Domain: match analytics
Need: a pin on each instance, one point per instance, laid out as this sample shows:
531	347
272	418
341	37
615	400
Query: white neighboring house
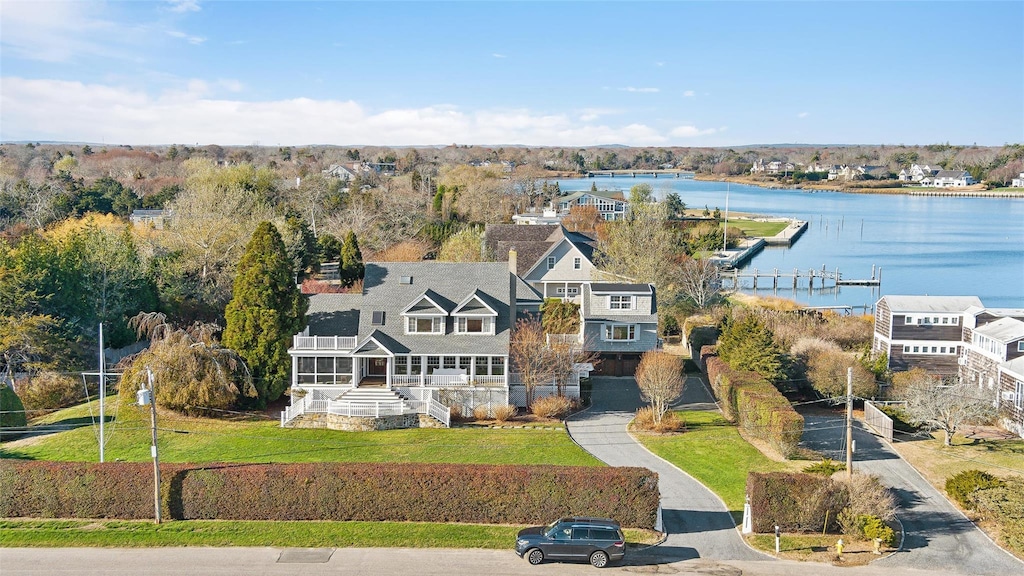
773	167
949	179
152	218
339	171
918	172
1018	182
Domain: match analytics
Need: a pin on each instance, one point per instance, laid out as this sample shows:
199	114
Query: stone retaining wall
364	424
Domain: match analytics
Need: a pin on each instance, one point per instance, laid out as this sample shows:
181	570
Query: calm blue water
924	245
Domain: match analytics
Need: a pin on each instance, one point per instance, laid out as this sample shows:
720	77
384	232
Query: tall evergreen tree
747	344
351	264
266	309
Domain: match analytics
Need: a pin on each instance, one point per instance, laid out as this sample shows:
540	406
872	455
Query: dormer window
431	325
620	302
551	262
475	315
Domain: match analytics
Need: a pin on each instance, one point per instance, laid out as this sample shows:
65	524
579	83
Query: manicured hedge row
330	491
756	405
795	502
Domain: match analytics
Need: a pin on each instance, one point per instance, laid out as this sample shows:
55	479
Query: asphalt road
696	520
372	561
937	534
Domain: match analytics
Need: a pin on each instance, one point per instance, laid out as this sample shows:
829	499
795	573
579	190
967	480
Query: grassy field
200	440
754	228
712	451
136	533
936	462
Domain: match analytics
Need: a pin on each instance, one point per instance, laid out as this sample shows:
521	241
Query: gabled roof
924	304
475	305
1004	330
1015	367
429	303
952	174
606	194
533	243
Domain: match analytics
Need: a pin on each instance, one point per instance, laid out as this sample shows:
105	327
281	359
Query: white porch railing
439	411
447	381
323	342
369	409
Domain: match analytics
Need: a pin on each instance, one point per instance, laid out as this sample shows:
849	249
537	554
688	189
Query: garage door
617	364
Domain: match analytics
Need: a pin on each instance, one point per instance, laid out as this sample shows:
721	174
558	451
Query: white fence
517	394
877	420
366	408
447	381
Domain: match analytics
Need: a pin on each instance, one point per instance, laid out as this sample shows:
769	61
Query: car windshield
550	527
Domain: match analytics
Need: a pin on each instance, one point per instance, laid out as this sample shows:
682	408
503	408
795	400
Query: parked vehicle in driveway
597	540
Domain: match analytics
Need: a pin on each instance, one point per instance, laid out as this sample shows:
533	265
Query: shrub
900	420
644	420
826	467
874	527
50	391
867	497
826	371
505	413
12	411
330	491
456	412
551	407
795	502
481	412
962	487
1005	503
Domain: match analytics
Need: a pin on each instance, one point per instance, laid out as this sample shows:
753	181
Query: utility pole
103	393
156	457
849	423
725	228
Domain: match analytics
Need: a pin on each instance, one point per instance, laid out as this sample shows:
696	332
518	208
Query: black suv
598	540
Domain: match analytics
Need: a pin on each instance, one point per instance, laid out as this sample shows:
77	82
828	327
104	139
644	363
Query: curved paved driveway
937	535
697	522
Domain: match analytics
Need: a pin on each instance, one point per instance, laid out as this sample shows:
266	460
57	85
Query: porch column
423	371
356	371
472	368
388	367
295	371
565	294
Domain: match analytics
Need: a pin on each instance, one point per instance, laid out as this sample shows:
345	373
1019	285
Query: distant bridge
635	173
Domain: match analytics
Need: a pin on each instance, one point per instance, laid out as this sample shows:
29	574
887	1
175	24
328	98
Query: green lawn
755	229
199	440
137	533
712	451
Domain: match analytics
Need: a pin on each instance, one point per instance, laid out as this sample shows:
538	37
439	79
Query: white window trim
577	263
488	325
436	325
1018	398
551	262
609	331
629	304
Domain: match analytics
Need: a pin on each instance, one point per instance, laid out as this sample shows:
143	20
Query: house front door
378	367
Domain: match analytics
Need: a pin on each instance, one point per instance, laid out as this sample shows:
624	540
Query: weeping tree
193	373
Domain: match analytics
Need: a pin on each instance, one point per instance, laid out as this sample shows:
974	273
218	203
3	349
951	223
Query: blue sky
565	74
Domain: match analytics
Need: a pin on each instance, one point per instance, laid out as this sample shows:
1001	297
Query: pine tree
748	344
351	264
265	311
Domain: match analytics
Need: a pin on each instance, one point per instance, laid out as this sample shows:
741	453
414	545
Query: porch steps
370	396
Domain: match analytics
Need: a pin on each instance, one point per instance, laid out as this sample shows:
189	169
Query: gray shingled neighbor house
619	319
421	337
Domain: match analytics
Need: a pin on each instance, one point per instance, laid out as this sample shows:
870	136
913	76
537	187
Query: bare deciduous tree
565	355
660	377
700	281
947	408
530	356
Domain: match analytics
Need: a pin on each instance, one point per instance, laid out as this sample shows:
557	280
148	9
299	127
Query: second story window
431	325
551	262
617	302
577	263
466	325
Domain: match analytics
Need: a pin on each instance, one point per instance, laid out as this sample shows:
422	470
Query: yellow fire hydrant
839	548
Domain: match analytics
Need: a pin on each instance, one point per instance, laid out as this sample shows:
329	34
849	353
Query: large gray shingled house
420	337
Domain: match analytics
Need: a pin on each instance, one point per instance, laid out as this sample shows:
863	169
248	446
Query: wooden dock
824	278
634	173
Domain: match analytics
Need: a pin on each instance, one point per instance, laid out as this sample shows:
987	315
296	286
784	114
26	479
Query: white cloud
659	64
690	131
496	55
194	40
633	89
56	31
803	115
591	114
74	111
184	5
689	94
